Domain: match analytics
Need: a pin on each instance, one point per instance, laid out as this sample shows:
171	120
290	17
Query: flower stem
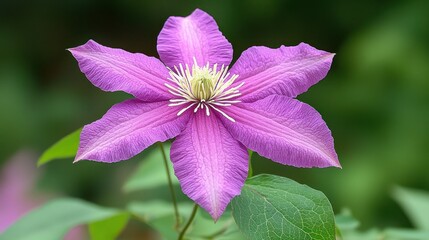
250	172
191	218
170	184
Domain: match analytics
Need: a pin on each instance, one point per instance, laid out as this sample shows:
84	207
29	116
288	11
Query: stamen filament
223	113
183	110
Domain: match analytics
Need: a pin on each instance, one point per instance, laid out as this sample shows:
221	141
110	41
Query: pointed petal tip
215	218
328	163
330	56
215	214
334	162
76	49
79	157
197	10
71	50
308	46
338	165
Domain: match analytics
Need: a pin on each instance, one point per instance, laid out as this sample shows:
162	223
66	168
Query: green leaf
165	227
109	229
160	216
345	221
373	234
204	227
232	233
415	204
54	219
406	234
151	172
65	148
389	234
155	209
273	207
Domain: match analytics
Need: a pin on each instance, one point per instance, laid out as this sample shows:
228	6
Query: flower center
202	88
205	87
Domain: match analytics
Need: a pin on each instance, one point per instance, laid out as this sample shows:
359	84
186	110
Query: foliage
287	209
64	148
54	219
272	207
415	204
109	228
151	172
269	207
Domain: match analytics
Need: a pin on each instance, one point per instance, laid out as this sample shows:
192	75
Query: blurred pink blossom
18	195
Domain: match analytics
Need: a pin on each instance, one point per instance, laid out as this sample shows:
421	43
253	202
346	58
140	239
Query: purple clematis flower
214	112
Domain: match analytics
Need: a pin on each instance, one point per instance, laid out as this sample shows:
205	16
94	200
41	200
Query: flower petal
284	130
127	129
196	36
287	71
113	69
211	166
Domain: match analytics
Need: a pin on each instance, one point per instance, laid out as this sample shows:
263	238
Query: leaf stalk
170	185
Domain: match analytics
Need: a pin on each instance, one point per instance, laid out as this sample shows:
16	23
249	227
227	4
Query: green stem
250	172
191	218
170	184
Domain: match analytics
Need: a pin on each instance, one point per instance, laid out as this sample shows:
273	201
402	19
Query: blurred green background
375	99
